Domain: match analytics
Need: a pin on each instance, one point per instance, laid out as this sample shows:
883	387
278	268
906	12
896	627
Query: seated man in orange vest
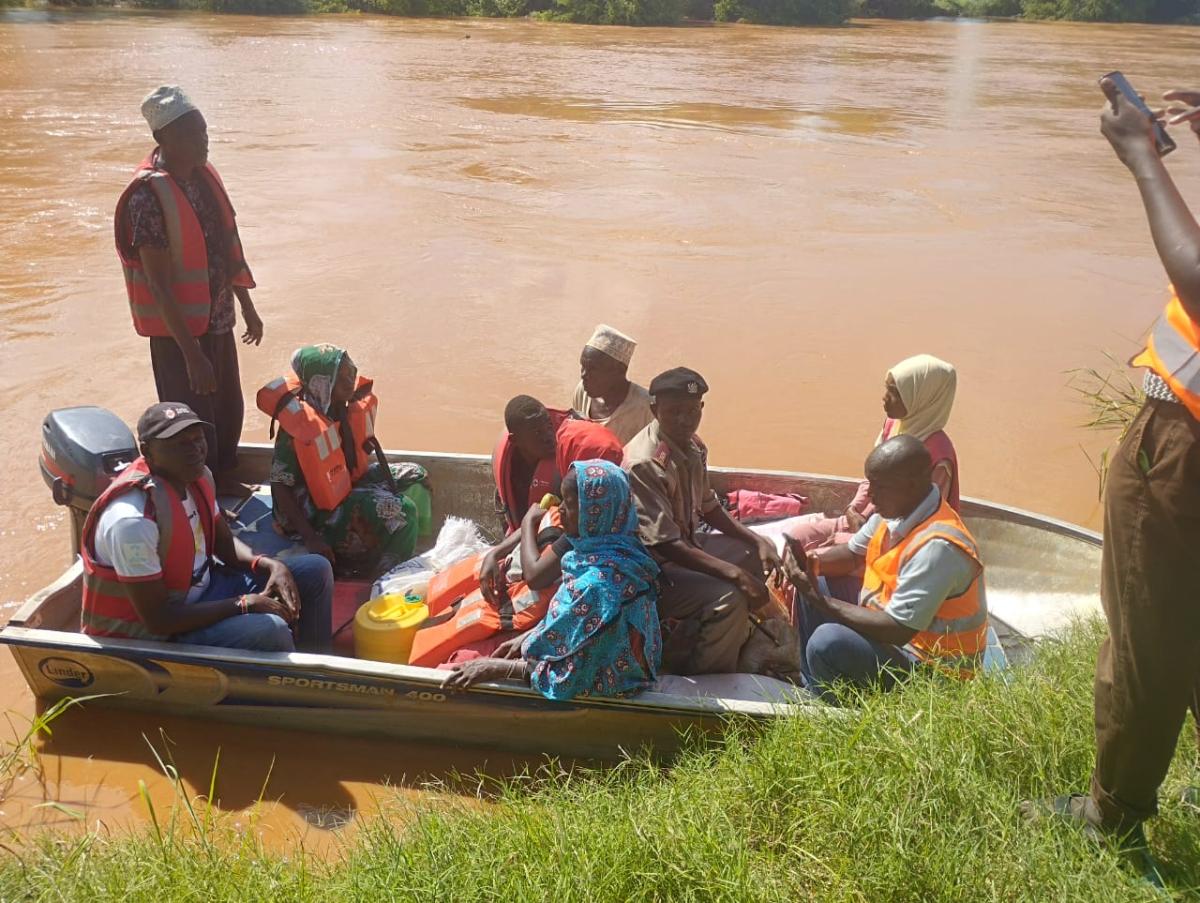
922	599
523	462
177	239
160	562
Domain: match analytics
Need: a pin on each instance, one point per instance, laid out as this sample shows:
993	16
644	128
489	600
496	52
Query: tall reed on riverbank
19	756
1111	400
912	798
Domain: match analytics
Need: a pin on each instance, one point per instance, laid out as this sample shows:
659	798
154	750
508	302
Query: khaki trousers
1149	667
706	619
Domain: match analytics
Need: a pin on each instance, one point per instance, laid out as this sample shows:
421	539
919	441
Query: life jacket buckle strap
284	400
372	444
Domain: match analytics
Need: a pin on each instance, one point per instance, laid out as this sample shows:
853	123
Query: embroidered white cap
164	105
615	344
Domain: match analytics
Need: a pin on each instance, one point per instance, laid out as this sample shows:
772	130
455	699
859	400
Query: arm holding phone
1131	132
868	622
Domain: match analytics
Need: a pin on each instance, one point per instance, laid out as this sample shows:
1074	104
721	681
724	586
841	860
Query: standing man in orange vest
178	242
922	600
1149	667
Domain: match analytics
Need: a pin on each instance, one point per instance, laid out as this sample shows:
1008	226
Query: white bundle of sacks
458	539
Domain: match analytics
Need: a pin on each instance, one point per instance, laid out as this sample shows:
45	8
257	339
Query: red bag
750	506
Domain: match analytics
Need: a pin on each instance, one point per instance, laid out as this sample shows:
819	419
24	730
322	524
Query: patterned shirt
150	230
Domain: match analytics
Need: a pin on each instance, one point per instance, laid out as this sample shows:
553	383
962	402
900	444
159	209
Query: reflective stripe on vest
1173	352
328	441
188	251
957	636
106	609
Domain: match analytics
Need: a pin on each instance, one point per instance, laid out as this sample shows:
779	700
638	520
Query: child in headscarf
375	527
601	635
918	395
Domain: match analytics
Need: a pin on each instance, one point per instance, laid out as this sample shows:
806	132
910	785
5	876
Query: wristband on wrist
244	604
254	562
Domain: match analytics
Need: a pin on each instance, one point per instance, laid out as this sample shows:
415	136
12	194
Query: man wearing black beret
710	581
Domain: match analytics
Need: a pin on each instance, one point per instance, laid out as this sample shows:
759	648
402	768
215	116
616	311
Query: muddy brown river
788	211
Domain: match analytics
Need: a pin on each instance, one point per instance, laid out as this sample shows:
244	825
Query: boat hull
321	694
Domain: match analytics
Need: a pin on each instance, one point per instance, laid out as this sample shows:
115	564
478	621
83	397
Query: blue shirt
934	573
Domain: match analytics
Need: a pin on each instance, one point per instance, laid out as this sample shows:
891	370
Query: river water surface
788	211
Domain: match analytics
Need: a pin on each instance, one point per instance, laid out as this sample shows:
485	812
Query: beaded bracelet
244	604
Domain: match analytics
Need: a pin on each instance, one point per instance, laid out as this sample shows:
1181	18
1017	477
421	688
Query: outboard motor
83	449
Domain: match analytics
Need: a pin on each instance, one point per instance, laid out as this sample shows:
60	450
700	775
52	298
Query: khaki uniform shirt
670	485
630	417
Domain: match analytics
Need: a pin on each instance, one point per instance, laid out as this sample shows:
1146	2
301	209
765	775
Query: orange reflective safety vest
957	637
318	438
546	477
189	253
460	615
107	610
1173	352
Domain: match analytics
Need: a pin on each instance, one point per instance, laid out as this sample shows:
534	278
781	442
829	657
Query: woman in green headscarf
376	526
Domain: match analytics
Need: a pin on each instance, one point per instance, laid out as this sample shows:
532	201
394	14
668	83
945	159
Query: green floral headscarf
317	368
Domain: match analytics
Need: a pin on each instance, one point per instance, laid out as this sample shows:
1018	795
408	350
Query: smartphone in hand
1163	142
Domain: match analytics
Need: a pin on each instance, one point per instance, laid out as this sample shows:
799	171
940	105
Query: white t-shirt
127	540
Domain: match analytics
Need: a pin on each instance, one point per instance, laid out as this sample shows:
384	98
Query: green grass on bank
914	798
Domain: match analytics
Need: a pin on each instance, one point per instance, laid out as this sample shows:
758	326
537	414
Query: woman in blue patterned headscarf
601	634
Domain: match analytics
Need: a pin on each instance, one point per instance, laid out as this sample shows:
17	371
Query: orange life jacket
1173	352
189	253
956	638
318	438
459	614
546	477
107	610
455	582
462	578
473	618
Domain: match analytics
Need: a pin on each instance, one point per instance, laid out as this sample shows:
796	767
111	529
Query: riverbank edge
675	13
911	798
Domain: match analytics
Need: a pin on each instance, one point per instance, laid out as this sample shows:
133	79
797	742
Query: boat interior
1041	575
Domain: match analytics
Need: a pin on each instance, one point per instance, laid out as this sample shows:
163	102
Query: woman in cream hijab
918	397
917	400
